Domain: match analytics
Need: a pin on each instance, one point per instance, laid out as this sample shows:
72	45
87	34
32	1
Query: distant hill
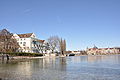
4	32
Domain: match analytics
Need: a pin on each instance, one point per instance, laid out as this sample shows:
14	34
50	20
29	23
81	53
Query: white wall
28	47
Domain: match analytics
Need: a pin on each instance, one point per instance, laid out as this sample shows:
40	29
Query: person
7	56
2	56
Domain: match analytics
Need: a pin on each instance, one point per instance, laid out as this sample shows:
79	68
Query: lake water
105	67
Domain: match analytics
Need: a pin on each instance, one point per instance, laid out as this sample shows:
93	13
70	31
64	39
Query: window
21	39
24	39
23	44
20	42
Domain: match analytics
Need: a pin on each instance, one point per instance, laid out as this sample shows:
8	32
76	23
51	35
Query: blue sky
82	23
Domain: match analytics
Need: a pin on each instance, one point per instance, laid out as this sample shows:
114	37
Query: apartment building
28	42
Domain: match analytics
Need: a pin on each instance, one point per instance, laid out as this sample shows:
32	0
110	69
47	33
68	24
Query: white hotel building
28	42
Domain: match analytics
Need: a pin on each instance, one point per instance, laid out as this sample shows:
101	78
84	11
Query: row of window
28	47
22	42
21	39
23	51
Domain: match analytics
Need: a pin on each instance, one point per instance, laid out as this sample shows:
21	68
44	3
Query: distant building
29	43
96	50
76	52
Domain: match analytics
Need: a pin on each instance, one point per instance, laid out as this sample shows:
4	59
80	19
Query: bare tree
57	45
63	46
54	43
7	42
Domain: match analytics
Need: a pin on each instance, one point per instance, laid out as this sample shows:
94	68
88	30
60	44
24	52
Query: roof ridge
26	35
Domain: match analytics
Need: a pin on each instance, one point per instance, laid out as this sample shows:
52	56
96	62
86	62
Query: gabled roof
41	41
27	35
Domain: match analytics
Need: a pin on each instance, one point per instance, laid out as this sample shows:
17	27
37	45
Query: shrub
71	54
24	54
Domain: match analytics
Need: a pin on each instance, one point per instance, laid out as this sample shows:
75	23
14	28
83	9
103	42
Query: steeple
95	47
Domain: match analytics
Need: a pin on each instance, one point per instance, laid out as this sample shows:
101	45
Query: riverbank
24	58
19	58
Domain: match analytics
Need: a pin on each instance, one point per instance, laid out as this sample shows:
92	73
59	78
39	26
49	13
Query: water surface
105	67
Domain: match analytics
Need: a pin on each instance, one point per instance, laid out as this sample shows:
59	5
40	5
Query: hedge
24	54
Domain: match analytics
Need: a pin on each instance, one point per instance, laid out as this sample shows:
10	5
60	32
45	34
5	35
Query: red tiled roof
41	41
25	35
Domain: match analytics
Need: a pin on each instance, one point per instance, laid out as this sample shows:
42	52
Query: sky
83	23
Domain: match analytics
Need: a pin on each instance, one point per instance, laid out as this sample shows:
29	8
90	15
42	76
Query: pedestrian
7	56
2	56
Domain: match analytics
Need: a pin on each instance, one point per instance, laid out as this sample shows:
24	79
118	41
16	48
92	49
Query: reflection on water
106	67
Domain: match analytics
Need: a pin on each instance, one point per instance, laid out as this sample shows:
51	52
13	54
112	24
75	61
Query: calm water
69	68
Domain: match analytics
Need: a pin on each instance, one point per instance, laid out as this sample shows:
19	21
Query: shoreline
19	58
24	58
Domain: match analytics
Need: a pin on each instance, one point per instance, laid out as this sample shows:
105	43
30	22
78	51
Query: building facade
96	50
29	43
